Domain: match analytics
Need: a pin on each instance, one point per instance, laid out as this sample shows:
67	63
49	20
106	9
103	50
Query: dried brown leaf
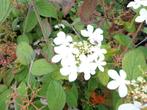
66	5
87	11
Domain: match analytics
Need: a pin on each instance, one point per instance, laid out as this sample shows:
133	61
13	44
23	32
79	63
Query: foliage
42	43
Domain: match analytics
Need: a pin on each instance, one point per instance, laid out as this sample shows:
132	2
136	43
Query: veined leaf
56	96
134	63
5	9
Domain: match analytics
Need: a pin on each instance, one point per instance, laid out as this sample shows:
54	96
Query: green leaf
42	67
22	89
134	63
5	9
30	21
72	96
144	50
2	88
4	98
25	53
56	96
46	9
22	92
103	78
130	26
123	40
8	78
23	38
92	84
145	30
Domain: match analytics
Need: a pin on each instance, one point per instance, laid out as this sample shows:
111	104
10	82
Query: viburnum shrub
73	55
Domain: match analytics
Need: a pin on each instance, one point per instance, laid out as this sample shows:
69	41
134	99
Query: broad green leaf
30	21
134	63
5	9
57	75
72	96
21	75
8	78
130	26
23	38
145	30
92	84
143	50
56	96
2	88
4	98
123	40
25	53
22	89
42	67
22	92
46	8
103	78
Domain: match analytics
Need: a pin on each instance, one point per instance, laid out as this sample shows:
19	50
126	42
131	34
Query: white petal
98	31
113	85
146	21
72	77
84	33
101	68
143	12
135	5
137	104
131	4
64	71
123	90
144	3
113	74
56	58
139	19
60	38
69	38
90	28
122	74
83	58
87	76
59	49
128	106
104	51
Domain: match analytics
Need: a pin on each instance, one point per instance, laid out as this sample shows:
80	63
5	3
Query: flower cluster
83	56
136	4
137	92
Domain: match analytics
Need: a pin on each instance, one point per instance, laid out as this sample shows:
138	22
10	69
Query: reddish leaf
66	5
87	11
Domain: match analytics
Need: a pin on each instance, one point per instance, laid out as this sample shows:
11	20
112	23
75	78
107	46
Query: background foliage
28	79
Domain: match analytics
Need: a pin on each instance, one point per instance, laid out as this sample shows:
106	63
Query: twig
136	33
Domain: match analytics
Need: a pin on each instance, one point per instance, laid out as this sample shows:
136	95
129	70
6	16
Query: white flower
62	39
143	16
87	66
137	3
95	37
70	71
59	25
62	52
100	63
118	82
132	106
